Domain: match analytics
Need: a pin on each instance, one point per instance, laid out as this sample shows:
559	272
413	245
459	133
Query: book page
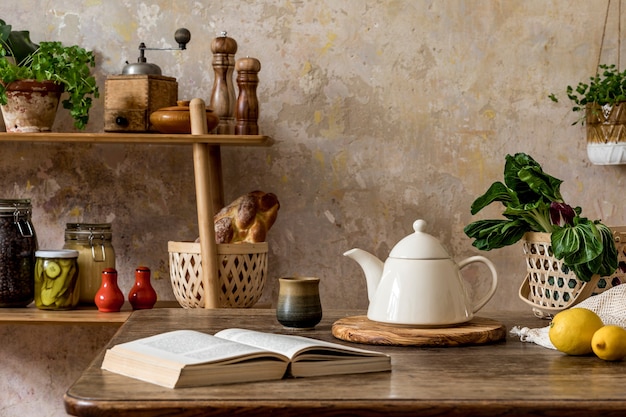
188	347
291	346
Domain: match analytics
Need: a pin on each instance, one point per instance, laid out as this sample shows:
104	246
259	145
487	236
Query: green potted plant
67	68
565	251
601	102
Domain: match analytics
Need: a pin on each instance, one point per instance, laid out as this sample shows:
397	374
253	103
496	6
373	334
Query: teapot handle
494	279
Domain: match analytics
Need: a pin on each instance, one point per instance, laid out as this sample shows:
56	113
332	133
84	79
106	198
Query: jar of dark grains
18	243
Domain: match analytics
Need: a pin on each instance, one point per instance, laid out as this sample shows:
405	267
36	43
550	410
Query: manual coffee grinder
141	89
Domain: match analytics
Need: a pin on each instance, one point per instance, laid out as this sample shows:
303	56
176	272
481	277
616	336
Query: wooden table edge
309	408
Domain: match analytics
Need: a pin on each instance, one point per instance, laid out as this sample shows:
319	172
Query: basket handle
585	292
587	289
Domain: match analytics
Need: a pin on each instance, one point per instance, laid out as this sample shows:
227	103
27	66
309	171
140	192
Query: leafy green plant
607	87
533	202
18	43
69	66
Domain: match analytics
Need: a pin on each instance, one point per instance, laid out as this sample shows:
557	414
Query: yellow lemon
609	343
571	330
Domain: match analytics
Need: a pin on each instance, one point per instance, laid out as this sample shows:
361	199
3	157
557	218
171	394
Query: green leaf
512	167
609	254
21	46
527	179
535	214
16	43
587	248
577	244
497	192
542	183
5	31
494	234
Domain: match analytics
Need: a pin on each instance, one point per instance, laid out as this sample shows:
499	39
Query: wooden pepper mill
247	110
223	94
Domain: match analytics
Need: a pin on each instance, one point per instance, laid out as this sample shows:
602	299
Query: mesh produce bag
610	306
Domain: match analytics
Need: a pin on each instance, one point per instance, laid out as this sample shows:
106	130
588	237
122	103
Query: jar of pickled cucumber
56	279
93	241
18	243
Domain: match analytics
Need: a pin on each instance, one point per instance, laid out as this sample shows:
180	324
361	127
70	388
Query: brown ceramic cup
299	305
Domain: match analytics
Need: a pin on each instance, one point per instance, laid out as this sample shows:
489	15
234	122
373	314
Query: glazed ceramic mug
299	303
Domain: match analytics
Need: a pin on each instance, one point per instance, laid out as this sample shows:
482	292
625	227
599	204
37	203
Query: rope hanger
619	32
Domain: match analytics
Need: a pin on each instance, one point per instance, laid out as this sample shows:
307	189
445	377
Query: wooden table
502	379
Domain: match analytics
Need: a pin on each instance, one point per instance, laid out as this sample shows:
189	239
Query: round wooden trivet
360	329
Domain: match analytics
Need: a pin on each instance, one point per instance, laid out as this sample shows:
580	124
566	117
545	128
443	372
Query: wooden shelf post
204	199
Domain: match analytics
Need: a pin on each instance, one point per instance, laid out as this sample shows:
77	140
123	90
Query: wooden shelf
81	315
209	195
146	138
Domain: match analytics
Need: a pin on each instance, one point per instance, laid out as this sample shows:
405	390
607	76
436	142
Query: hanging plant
605	88
601	101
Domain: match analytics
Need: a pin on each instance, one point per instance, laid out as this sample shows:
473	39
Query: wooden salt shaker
247	110
223	94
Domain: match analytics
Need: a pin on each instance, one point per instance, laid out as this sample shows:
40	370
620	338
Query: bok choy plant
533	202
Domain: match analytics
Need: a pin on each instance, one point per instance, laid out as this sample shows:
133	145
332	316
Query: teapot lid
419	245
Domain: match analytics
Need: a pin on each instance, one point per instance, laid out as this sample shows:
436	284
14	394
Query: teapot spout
372	268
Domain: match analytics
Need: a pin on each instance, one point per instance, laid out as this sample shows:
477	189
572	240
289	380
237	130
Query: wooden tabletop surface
500	379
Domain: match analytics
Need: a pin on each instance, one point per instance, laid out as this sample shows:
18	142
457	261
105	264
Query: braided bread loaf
246	219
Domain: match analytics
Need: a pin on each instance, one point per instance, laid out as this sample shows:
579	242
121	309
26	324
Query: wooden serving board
360	329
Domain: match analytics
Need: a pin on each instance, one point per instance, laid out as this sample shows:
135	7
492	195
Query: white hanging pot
32	105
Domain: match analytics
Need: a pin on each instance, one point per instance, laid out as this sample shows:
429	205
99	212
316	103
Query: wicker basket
242	273
548	289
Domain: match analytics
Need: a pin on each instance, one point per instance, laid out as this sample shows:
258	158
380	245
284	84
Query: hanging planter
602	100
606	133
31	105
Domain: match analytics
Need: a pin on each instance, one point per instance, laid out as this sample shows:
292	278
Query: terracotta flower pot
32	105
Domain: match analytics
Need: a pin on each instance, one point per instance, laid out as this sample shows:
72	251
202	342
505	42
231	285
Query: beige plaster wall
382	112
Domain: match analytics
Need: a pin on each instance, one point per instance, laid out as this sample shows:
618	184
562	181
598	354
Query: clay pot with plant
38	75
602	104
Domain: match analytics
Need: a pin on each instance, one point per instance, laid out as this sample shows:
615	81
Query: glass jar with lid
93	241
56	279
18	243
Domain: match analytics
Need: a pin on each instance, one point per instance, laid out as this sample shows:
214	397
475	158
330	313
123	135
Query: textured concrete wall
381	112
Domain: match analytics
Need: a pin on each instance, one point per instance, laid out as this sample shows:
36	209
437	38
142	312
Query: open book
188	358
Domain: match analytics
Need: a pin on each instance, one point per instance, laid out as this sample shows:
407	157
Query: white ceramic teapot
419	284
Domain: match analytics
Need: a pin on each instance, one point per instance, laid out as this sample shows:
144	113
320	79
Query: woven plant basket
242	273
548	289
